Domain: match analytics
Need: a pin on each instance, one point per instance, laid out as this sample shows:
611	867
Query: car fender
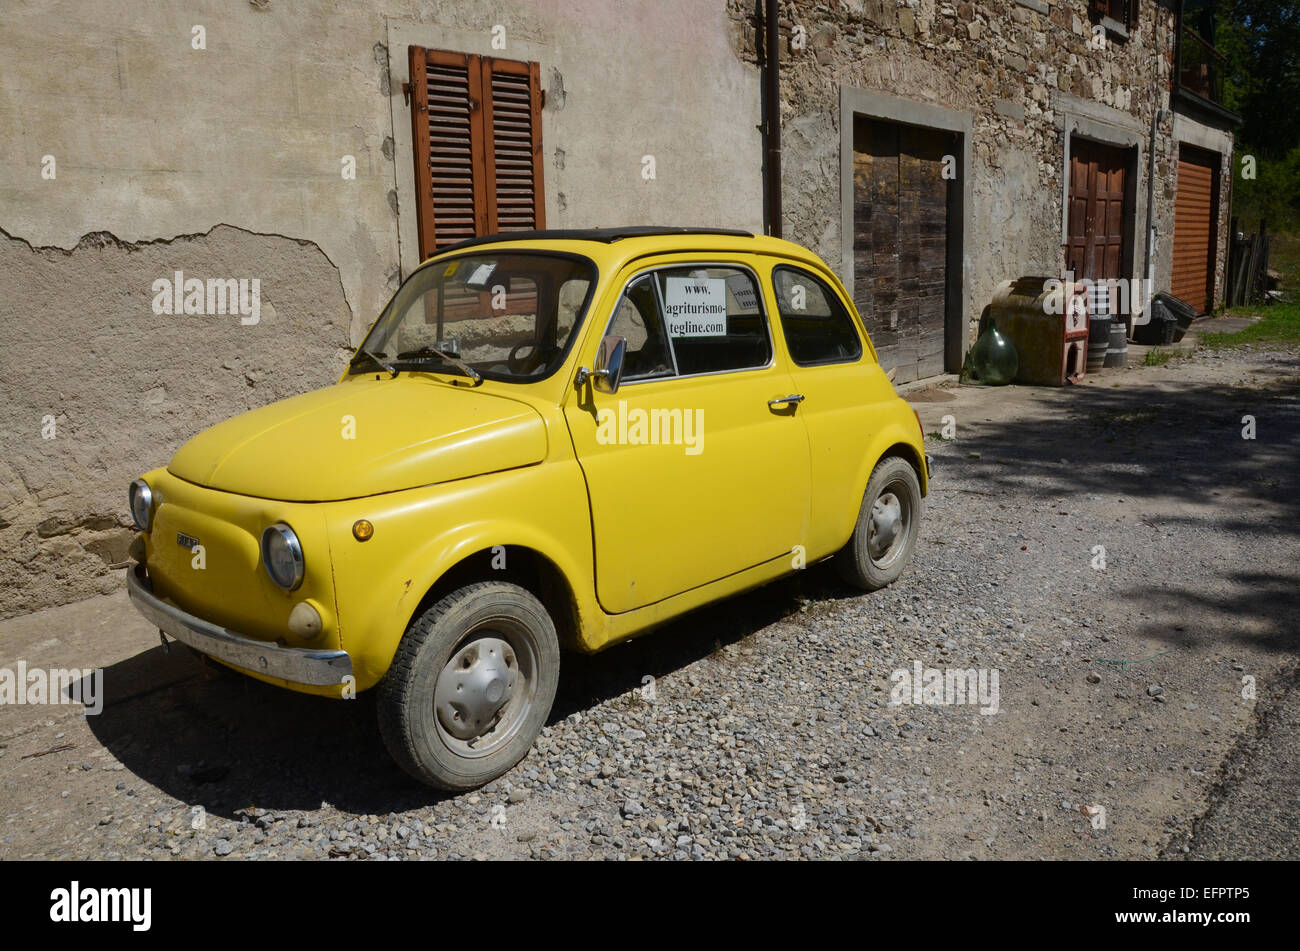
382	583
897	437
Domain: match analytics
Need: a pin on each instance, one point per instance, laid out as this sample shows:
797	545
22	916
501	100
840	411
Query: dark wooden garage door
1096	248
1195	218
900	242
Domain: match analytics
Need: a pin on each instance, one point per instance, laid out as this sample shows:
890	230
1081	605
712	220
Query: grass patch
1156	357
1284	257
1278	325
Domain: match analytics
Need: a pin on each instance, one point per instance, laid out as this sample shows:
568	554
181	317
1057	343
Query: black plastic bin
1170	318
1160	328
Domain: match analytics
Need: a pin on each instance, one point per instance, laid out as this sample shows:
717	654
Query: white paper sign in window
742	289
696	307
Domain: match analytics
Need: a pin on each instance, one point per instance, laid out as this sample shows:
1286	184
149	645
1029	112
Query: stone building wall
1025	73
227	162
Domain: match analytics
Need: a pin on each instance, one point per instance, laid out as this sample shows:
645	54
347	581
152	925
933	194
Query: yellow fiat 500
552	439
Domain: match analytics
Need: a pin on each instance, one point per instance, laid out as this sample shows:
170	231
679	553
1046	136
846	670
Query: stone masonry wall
1017	66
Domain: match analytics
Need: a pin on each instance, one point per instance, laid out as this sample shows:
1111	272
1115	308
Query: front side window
508	316
691	320
817	327
637	319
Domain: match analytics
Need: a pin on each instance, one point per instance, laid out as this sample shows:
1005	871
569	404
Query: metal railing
1200	67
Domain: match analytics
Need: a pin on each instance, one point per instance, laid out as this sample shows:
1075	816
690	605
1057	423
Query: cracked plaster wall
126	387
237	148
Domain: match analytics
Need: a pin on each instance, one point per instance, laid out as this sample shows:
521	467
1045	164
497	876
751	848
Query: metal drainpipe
1151	211
1151	174
772	127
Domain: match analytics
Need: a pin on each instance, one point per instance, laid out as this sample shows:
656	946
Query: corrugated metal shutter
476	126
1195	220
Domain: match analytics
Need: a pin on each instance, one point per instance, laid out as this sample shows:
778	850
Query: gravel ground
762	727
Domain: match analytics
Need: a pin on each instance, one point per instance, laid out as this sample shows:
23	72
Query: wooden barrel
1098	341
1117	351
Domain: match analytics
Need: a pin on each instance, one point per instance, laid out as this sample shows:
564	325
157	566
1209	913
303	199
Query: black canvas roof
607	235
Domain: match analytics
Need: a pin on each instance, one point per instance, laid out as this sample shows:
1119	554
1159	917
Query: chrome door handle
785	400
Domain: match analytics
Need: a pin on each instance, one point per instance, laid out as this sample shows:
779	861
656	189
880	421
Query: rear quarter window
817	326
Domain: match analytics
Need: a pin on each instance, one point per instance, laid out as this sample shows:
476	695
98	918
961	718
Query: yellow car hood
363	437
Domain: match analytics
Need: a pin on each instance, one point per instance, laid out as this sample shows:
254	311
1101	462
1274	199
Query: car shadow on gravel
210	737
590	679
213	738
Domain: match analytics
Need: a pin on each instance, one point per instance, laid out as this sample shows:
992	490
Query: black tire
893	481
418	737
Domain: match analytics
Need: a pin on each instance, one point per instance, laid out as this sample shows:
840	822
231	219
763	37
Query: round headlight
141	499
282	555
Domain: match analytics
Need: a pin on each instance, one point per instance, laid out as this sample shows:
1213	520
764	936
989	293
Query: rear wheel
888	523
471	686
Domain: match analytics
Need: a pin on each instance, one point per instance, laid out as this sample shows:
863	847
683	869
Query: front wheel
471	686
888	523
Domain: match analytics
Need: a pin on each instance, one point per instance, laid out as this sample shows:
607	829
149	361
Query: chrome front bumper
295	664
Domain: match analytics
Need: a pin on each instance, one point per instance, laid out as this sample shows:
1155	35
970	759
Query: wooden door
1097	245
901	234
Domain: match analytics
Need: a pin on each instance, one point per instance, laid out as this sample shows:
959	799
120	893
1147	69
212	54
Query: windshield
501	316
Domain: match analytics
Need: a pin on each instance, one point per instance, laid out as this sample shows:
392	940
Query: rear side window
691	320
817	327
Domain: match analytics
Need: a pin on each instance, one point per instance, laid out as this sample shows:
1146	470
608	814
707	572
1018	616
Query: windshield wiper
431	351
363	355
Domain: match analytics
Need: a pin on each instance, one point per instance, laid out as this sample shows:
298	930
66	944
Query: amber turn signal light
362	530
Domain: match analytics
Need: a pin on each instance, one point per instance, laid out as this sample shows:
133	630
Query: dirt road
1128	680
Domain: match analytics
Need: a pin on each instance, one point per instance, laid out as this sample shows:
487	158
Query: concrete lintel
1188	130
1070	106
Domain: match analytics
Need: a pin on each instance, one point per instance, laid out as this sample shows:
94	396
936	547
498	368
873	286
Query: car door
830	369
696	469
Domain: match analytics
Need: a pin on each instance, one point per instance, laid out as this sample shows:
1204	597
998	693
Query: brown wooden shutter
516	197
1121	11
477	132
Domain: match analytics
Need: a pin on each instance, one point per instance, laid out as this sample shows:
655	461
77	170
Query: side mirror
608	372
